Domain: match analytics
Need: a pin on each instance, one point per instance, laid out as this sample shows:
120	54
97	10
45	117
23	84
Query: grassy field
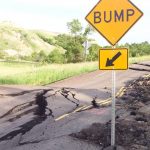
139	59
35	74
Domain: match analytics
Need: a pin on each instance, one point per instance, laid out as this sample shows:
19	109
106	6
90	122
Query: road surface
69	110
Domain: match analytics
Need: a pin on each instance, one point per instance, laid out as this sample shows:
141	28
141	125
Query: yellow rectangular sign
113	59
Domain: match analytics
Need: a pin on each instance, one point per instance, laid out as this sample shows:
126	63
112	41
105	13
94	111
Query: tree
93	52
88	30
55	57
75	52
74	27
138	49
72	45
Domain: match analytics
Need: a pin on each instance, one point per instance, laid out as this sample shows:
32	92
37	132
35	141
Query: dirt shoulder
132	121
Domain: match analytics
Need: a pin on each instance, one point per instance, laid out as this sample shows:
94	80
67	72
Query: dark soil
132	126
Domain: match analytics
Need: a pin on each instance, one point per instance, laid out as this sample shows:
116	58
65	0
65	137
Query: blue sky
52	15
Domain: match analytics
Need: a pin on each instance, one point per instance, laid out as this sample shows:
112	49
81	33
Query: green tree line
73	45
75	51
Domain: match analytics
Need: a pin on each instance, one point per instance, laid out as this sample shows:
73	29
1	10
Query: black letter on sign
110	17
130	12
119	17
97	17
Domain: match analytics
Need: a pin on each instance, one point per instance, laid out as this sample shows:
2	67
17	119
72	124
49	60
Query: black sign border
113	49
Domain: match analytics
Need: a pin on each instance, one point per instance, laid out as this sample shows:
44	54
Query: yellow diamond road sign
113	59
113	18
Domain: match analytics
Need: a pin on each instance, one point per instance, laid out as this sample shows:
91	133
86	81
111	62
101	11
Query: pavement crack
23	129
20	115
65	93
31	142
18	108
139	69
51	139
148	65
22	93
40	116
94	103
41	101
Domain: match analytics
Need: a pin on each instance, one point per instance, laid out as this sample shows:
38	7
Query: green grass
139	59
39	75
35	74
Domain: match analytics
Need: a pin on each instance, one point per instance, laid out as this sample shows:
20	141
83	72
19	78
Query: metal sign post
86	46
113	107
113	113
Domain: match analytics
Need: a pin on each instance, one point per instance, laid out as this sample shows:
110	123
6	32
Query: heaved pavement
21	129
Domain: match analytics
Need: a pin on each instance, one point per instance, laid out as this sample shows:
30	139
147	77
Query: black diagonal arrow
111	61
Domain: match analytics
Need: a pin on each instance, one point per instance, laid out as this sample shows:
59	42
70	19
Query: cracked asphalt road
21	128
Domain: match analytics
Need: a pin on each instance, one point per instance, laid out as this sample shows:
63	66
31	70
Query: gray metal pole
85	50
113	113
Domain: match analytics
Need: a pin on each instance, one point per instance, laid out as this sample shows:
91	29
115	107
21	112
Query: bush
93	52
38	57
55	57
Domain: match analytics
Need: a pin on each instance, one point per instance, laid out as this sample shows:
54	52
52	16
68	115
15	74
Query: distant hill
18	40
